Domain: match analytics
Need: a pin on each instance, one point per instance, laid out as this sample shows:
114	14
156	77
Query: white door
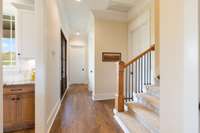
78	69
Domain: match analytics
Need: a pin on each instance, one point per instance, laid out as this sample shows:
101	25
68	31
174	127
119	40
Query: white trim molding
54	113
120	122
103	96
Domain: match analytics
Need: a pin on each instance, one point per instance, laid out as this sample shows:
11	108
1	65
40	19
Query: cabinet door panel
27	107
25	36
28	43
10	112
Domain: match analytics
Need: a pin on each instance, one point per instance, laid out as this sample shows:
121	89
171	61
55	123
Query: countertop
19	83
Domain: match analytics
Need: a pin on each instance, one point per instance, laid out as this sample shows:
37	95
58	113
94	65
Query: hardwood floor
25	131
79	114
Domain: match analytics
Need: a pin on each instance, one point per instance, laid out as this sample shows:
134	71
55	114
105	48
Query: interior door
63	64
78	65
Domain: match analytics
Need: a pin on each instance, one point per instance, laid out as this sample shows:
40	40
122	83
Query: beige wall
179	55
110	36
1	85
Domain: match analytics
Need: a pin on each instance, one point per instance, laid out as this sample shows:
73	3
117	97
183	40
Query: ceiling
77	14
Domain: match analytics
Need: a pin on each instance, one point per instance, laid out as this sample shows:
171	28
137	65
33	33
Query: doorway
63	64
78	72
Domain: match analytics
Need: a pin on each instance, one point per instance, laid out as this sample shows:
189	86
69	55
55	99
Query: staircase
140	108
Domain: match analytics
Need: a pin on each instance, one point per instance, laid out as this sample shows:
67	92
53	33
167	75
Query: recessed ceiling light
78	33
78	0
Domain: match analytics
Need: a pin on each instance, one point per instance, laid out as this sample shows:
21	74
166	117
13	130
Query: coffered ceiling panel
122	5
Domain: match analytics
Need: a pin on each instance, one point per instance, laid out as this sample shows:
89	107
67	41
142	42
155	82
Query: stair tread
131	123
148	117
151	99
154	88
154	91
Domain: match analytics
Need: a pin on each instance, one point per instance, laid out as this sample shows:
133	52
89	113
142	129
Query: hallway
79	114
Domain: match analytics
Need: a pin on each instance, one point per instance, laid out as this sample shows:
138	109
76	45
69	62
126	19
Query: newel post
119	100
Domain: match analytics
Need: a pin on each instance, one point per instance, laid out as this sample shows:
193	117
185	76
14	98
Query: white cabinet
25	33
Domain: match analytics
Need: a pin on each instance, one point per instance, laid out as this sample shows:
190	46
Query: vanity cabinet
10	112
19	107
25	33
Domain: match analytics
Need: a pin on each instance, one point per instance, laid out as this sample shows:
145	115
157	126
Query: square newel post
119	99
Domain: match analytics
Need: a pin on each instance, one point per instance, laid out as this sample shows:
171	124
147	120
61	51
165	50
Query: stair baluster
136	74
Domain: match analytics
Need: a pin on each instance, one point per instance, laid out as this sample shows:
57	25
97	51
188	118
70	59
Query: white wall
191	66
91	54
199	62
140	28
110	36
47	64
53	60
40	68
1	85
141	33
179	66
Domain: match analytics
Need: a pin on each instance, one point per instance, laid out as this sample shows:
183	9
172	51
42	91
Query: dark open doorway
63	64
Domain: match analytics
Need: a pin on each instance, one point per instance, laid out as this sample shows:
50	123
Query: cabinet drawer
18	89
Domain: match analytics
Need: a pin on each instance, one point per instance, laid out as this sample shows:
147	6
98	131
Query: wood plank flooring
25	131
79	114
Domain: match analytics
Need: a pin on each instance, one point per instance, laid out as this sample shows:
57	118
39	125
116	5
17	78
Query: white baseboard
120	122
103	96
54	113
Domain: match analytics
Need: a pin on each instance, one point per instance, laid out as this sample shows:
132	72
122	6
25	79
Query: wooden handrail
120	97
152	48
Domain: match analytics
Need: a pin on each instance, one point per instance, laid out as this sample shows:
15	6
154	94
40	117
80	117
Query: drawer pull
18	99
13	99
16	90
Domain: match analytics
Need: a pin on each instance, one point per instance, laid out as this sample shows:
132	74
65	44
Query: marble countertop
19	82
